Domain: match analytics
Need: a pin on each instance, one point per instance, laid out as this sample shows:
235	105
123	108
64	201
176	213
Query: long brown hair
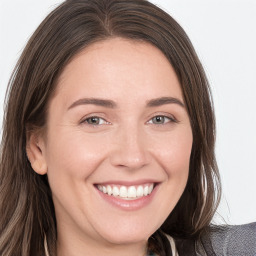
27	211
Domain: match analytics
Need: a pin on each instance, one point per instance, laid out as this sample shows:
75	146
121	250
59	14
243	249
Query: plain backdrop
223	33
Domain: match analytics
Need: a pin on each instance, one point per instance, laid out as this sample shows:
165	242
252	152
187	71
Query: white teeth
127	192
150	189
115	191
123	191
145	191
132	192
109	190
139	191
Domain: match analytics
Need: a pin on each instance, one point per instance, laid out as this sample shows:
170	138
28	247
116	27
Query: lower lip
129	205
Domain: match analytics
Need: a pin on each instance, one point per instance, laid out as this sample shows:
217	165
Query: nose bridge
130	147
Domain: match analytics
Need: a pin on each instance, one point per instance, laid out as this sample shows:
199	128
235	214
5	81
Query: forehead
117	67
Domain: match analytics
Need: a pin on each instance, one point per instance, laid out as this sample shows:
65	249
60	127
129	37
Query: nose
130	149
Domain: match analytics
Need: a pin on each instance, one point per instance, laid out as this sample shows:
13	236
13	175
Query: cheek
174	157
74	154
174	153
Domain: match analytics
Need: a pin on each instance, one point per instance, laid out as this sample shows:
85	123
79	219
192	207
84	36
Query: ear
35	148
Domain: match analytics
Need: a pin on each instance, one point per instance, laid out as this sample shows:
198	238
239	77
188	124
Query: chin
128	233
128	238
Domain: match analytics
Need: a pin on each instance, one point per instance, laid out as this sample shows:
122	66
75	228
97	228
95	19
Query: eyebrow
111	104
94	101
163	101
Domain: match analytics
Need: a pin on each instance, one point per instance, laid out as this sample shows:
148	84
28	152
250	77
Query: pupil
94	120
159	119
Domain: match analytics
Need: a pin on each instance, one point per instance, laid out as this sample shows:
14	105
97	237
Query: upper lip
127	183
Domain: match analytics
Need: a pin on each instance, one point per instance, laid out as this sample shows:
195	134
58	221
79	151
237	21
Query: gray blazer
222	241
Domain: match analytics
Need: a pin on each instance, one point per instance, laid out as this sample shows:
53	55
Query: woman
108	141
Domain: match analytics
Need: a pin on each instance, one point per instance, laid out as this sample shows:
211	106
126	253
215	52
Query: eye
95	120
161	120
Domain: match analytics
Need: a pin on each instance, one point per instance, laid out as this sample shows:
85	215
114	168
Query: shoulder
231	240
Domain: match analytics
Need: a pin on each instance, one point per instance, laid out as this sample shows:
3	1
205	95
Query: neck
73	247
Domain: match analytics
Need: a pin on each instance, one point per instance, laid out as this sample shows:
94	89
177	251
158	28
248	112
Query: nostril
129	150
129	160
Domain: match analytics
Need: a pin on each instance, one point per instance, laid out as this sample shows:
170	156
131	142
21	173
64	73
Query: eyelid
169	116
96	115
85	119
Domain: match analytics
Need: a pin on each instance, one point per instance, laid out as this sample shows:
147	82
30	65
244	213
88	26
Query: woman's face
117	128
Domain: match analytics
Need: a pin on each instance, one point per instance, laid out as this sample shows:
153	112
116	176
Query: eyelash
86	120
167	119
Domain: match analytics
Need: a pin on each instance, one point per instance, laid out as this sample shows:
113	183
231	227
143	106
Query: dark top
222	241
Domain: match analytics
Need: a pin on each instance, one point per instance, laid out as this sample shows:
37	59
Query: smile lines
127	192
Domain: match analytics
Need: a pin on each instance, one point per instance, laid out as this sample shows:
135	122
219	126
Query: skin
126	145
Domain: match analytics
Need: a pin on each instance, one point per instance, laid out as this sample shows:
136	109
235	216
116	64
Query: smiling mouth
127	192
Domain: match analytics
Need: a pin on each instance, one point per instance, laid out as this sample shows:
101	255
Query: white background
224	35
